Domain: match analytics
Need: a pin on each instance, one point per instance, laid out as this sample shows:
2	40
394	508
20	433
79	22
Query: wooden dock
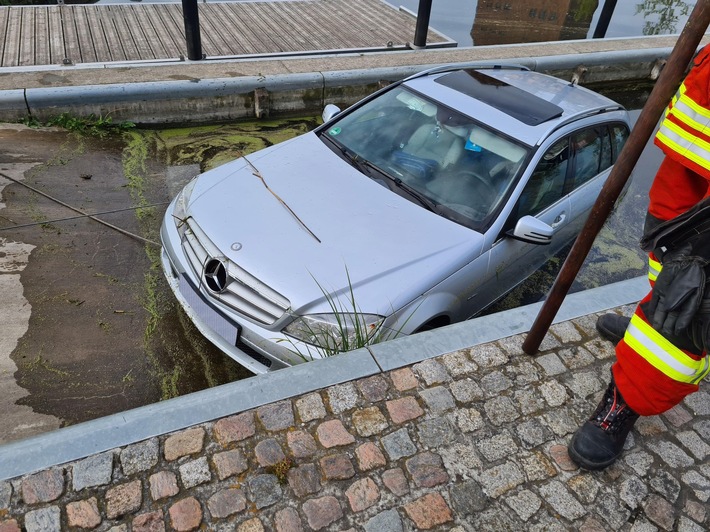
72	34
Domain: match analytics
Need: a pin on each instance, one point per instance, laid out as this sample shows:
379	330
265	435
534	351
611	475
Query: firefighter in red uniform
661	350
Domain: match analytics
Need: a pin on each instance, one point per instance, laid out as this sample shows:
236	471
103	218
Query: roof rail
584	114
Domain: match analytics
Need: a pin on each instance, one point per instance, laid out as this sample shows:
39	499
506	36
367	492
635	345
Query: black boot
599	442
612	327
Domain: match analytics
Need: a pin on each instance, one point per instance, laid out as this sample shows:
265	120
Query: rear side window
595	150
589	147
619	136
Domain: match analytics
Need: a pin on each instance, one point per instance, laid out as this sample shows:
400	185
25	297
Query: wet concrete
80	357
20	421
90	327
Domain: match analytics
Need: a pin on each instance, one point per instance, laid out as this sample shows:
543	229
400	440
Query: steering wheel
482	189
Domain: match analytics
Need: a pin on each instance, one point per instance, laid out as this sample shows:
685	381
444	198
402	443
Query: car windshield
431	154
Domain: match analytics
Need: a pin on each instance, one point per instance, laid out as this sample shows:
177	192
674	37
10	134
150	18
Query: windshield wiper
421	198
424	201
366	167
353	158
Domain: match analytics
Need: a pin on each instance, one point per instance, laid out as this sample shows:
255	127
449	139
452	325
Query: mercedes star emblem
216	276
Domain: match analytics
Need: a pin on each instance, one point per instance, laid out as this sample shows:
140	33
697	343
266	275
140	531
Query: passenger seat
440	144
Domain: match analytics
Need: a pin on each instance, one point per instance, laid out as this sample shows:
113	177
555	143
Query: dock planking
65	34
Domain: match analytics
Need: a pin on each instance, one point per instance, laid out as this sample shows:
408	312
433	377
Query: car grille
244	293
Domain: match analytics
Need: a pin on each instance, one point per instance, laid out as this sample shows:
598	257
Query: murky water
487	22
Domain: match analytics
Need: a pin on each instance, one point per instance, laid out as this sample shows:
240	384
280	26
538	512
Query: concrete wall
288	94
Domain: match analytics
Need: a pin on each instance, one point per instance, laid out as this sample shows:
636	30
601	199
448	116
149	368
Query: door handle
558	221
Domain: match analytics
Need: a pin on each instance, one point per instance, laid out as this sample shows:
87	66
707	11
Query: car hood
308	221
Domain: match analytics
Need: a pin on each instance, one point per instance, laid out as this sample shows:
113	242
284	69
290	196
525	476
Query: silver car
417	207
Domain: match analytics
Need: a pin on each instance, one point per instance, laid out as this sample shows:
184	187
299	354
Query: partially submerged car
417	207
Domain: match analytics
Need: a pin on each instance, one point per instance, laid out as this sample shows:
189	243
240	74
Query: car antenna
256	172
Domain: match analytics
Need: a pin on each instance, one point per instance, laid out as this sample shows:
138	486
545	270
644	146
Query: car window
464	168
619	136
546	185
587	149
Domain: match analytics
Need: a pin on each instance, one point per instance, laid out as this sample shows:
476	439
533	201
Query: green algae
211	146
145	155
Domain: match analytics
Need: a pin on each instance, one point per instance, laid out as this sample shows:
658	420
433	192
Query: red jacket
684	137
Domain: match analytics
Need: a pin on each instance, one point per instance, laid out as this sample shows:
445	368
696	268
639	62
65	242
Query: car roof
523	104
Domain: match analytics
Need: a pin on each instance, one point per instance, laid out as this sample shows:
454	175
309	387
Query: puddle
18	421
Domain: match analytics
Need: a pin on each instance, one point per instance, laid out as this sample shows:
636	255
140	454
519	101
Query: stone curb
474	439
103	434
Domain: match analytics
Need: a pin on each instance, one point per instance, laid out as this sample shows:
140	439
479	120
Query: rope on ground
69	218
84	214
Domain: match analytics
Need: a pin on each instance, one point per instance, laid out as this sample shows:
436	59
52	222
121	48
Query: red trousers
647	390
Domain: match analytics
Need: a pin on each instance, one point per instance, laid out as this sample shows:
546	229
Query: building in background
522	21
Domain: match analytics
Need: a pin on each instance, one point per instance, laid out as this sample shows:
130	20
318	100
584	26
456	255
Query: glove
700	330
677	293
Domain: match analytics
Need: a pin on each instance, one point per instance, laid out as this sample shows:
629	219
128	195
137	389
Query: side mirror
330	111
530	229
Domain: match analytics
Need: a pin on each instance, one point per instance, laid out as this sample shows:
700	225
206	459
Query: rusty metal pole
671	76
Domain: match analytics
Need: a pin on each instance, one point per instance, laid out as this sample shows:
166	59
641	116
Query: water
486	22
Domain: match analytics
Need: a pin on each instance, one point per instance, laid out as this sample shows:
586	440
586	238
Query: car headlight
337	331
181	202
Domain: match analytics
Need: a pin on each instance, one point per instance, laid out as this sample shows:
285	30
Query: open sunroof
513	101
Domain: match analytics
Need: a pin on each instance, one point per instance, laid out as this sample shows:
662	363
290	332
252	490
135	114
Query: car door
511	261
595	150
560	192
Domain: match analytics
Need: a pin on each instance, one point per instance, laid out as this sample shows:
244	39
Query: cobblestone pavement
471	440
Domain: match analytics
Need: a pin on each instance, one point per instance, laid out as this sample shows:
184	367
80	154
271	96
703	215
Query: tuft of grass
352	328
92	125
280	470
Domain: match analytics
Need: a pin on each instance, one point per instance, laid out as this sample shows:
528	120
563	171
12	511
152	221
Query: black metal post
192	29
420	33
604	18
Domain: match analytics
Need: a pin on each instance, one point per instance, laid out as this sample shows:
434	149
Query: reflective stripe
684	143
693	111
654	269
687	143
662	354
689	113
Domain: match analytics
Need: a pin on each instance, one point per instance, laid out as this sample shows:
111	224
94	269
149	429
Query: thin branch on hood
256	172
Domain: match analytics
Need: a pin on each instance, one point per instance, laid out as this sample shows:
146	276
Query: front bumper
257	349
